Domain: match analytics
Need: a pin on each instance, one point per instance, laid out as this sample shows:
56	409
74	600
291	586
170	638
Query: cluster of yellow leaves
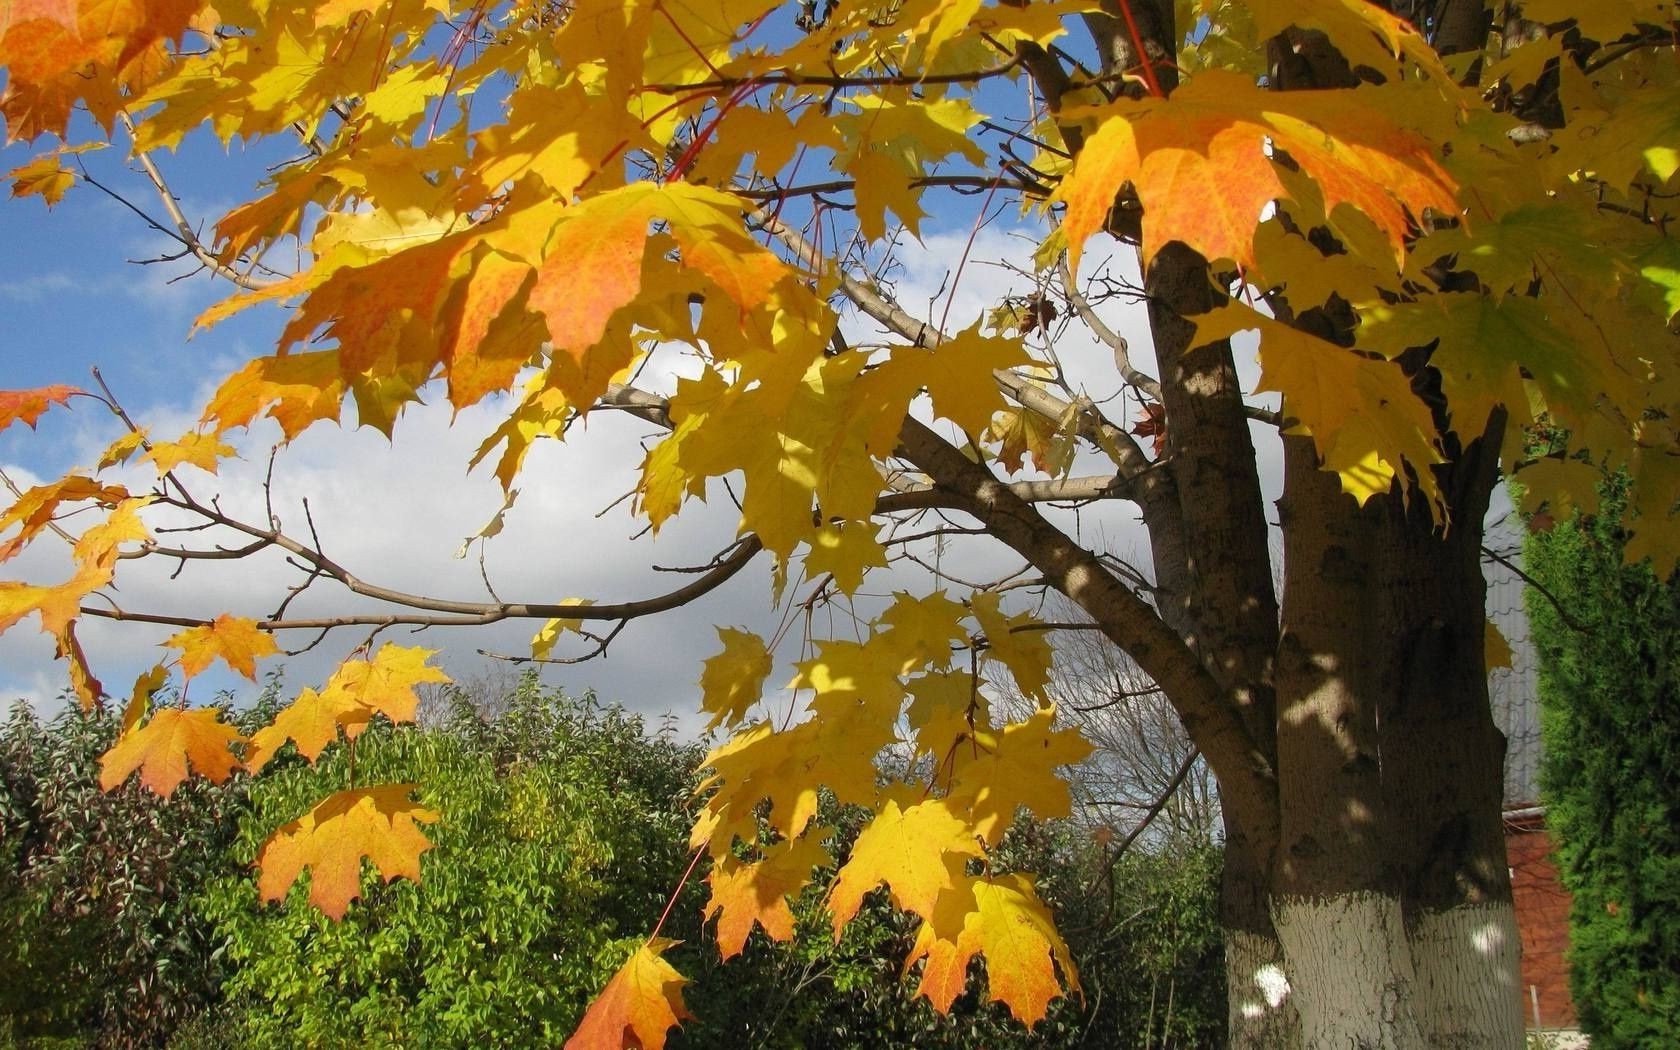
925	833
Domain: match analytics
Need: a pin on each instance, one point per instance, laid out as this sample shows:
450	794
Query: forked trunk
1387	888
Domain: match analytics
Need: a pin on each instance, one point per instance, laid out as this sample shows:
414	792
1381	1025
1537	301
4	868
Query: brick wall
1542	906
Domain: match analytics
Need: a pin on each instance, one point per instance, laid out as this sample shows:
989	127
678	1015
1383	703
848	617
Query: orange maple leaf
57	605
29	405
356	692
36	508
312	721
236	641
164	748
1201	162
87	688
1002	918
378	823
638	1006
386	682
61	52
744	894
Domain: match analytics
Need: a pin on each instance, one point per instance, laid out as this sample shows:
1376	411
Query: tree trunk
1388	890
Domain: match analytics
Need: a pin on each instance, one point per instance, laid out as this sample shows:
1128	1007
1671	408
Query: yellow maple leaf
379	823
1015	768
638	1006
946	708
918	851
197	450
1013	642
1364	418
923	629
1002	918
166	746
845	551
236	641
732	681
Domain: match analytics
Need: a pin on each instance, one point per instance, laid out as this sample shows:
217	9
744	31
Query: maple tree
1448	221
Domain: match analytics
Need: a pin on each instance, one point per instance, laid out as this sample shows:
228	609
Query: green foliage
562	836
1610	695
101	939
126	921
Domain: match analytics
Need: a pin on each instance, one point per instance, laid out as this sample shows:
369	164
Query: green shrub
101	940
1610	696
562	835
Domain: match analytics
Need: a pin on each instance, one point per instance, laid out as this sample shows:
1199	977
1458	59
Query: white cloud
395	514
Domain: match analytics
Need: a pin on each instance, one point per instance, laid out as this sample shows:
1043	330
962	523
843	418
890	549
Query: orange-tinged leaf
379	823
385	683
235	641
746	894
35	509
638	1007
44	176
312	721
164	748
1200	162
295	390
1002	918
28	406
87	688
98	545
59	604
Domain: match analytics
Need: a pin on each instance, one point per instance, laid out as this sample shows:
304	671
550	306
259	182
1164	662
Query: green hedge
1610	696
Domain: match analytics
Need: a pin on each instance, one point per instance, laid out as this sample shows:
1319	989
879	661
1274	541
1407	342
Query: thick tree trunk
1389	893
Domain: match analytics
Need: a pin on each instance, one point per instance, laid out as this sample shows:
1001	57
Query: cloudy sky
72	297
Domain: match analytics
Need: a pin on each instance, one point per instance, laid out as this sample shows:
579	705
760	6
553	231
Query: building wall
1542	907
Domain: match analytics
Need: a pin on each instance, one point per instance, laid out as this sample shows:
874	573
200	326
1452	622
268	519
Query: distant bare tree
1145	782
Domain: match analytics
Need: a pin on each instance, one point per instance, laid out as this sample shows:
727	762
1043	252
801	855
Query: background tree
104	940
1608	636
1398	207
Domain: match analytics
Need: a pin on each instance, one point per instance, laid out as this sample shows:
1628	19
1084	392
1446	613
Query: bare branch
183	229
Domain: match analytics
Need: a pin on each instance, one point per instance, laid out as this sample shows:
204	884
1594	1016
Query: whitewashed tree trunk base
1466	978
1350	970
1261	1017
